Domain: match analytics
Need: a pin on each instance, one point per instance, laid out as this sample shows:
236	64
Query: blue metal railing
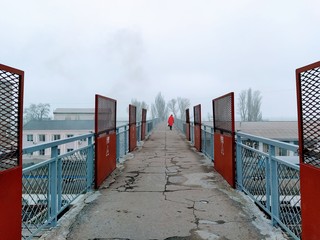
271	181
50	186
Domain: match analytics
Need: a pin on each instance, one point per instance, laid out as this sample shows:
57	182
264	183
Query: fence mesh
310	106
197	114
37	198
187	116
290	200
132	114
9	119
223	113
254	175
105	114
257	175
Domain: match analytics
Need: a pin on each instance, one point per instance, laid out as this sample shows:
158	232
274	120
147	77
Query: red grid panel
105	139
223	120
132	127
308	96
105	114
143	123
197	127
11	111
188	135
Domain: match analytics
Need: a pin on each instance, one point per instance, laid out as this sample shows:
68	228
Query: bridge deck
169	191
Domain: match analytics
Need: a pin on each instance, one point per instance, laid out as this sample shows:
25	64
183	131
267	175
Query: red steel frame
11	179
224	138
143	124
309	175
132	127
188	125
105	140
197	127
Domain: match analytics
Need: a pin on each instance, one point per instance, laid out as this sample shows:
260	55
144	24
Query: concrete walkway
169	191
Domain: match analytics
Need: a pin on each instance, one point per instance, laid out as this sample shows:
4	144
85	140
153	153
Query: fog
72	50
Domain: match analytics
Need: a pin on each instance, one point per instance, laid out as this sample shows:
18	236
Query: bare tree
158	109
183	104
139	106
172	107
249	104
37	112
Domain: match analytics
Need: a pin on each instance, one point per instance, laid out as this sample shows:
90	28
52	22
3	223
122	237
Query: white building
41	131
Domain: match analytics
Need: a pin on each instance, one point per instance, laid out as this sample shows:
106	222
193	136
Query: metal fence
207	133
272	182
51	186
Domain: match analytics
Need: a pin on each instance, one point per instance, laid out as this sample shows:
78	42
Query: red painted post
105	139
197	127
132	128
224	142
11	111
308	82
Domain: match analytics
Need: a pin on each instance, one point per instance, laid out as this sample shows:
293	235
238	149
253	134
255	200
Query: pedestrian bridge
144	181
164	189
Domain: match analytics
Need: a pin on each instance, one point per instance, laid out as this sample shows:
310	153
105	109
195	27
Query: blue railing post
212	144
118	145
52	198
90	164
268	177
126	133
275	204
239	163
59	182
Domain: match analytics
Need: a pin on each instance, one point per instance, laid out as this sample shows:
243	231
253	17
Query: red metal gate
223	122
197	127
105	138
188	125
132	127
143	124
308	95
11	111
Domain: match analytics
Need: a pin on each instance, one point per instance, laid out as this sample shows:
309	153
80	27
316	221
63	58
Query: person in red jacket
170	121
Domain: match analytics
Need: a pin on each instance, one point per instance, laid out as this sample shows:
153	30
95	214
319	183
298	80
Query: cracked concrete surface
169	191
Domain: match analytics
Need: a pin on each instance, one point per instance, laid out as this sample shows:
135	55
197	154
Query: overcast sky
197	49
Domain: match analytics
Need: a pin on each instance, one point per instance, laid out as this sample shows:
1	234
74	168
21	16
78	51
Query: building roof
74	111
59	125
280	130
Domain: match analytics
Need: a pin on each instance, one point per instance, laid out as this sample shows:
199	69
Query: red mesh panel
308	94
223	113
105	140
132	128
223	119
143	123
11	110
105	114
197	127
11	91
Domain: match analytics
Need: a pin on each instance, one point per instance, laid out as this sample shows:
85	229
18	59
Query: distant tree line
249	104
161	109
40	111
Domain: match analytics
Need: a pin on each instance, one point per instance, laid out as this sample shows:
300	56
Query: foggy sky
199	49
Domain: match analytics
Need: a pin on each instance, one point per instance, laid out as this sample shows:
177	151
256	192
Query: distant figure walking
170	121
